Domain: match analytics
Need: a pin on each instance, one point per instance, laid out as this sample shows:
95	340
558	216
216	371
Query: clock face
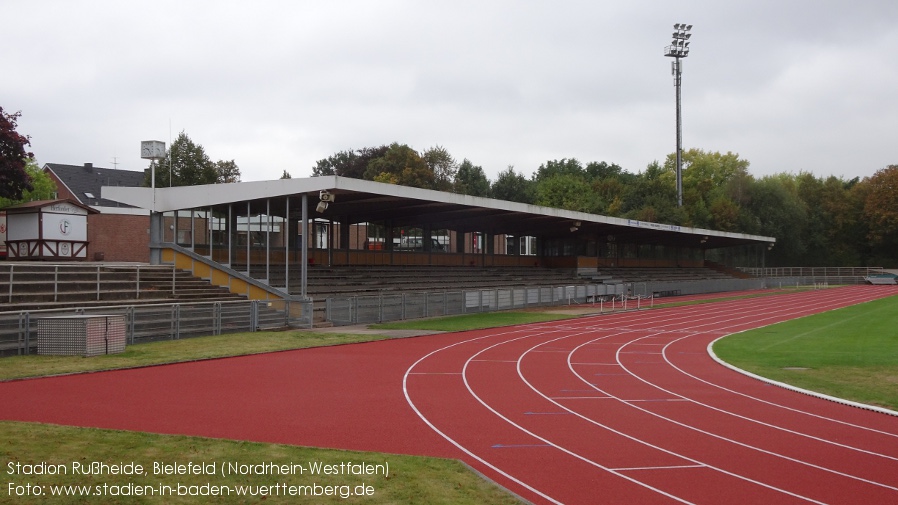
152	149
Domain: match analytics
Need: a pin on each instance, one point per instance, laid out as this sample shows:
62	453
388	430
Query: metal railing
816	272
171	321
166	321
393	307
85	280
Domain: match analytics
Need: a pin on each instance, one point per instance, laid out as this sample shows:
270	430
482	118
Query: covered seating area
295	233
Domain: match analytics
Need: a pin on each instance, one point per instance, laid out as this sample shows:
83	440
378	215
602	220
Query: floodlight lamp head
322	206
688	27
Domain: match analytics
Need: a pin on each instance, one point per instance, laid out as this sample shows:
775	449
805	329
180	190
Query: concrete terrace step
324	282
37	285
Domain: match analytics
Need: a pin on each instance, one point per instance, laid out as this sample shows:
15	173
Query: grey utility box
81	335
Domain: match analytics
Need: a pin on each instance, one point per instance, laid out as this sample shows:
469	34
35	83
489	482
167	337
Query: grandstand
324	237
308	240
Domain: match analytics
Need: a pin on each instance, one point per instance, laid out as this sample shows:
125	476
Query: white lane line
635	439
743	444
672	467
501	472
454	442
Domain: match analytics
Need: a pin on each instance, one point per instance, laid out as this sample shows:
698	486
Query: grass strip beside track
411	479
473	321
850	353
173	351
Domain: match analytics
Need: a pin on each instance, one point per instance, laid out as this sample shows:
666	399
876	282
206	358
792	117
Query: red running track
621	408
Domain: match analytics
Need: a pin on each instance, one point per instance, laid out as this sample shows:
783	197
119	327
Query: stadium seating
325	282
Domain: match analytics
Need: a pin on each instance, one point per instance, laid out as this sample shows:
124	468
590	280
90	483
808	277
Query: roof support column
155	238
304	245
388	238
268	241
232	234
345	228
427	238
490	250
288	239
249	240
331	242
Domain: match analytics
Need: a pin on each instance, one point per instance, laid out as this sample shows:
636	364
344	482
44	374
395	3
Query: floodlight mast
678	49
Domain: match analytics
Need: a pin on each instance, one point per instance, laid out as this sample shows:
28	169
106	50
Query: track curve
631	408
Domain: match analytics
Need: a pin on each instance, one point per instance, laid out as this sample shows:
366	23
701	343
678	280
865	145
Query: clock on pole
152	150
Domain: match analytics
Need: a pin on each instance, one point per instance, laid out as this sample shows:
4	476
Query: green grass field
849	353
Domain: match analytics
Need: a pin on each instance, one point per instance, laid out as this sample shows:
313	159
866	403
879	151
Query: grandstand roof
365	201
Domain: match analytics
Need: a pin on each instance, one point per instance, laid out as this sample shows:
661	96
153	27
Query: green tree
340	161
227	171
847	229
443	166
780	213
567	191
187	164
818	221
881	211
601	170
563	166
471	180
612	184
286	175
42	186
724	214
652	197
512	186
613	193
14	180
349	163
851	229
706	180
401	165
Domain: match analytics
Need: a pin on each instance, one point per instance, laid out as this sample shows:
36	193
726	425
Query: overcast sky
789	85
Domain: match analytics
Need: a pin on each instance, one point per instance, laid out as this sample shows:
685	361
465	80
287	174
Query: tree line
817	221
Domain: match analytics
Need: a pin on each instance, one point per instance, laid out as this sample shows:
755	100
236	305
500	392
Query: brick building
118	232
